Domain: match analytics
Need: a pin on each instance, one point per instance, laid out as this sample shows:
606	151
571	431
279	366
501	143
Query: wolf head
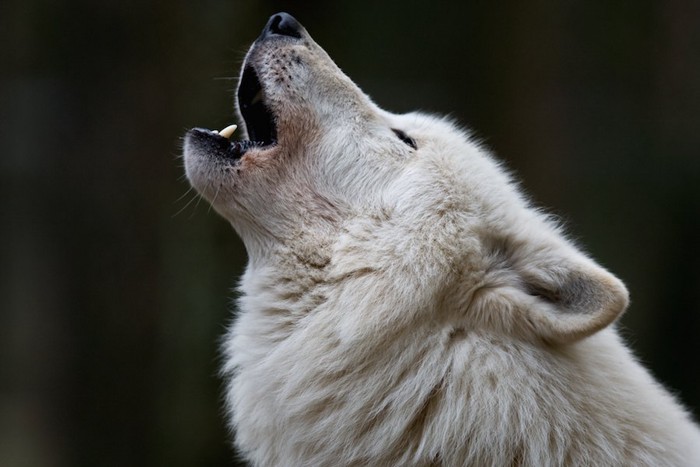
328	179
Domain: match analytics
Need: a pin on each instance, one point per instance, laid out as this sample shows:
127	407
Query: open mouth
259	120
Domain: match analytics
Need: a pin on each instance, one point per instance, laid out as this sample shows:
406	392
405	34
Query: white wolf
403	303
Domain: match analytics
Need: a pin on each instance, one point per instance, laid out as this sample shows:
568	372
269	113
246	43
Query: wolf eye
405	138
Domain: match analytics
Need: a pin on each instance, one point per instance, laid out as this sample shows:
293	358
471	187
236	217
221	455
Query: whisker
194	209
218	189
194	197
182	209
183	195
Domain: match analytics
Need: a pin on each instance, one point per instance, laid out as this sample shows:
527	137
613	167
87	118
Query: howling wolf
403	303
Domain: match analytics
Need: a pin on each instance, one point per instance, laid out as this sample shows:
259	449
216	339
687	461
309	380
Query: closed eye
405	138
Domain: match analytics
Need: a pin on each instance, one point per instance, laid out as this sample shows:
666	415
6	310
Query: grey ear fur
574	299
554	290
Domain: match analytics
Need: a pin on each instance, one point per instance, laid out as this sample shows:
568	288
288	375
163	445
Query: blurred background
117	281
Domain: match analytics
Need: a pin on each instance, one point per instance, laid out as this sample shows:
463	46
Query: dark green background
116	280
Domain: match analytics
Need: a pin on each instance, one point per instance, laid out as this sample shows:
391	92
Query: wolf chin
403	303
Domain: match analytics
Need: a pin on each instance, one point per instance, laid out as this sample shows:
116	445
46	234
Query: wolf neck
485	398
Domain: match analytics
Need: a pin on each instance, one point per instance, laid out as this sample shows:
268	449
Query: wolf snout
282	24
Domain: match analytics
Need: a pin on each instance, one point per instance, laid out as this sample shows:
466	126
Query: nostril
283	24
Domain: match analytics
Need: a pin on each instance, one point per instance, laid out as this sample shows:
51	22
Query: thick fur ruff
404	304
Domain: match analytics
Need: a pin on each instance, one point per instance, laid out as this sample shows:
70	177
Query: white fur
408	307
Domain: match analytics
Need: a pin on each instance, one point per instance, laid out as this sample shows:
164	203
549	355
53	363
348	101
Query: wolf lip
259	119
214	143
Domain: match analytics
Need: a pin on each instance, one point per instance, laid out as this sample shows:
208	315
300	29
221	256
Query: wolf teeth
228	131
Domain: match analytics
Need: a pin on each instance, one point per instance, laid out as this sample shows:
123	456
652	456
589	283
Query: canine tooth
228	131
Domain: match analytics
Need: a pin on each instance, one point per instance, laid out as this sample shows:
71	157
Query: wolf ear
561	294
573	299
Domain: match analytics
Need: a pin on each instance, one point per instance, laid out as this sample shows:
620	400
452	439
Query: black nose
282	24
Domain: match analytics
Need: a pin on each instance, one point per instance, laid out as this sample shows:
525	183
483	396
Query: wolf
404	304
